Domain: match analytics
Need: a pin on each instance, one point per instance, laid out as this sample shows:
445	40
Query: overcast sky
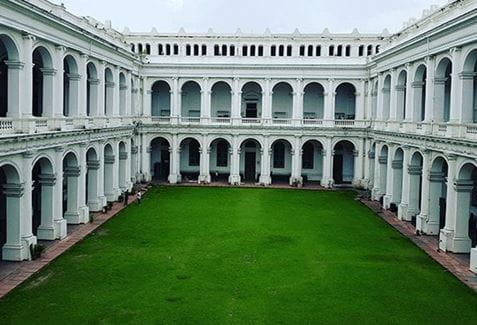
253	15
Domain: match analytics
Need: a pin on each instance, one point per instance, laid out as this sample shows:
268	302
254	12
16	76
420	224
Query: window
370	50
252	50
222	154
260	50
216	50
348	50
308	156
244	50
176	49
148	49
133	48
331	50
168	49
310	50
204	50
279	155
361	50
160	49
289	50
194	154
339	51
139	48
281	50
377	49
188	50
232	50
302	50
318	50
273	50
224	50
196	50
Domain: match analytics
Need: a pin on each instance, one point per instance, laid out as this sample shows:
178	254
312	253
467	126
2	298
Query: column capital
47	179
72	171
109	159
461	185
14	65
93	164
48	71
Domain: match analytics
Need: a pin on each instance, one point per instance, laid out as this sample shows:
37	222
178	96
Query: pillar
422	218
93	200
14	248
174	175
265	178
406	181
72	173
234	178
327	179
47	229
14	89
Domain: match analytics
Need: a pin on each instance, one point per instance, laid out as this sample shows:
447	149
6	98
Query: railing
471	129
344	123
189	120
220	120
247	120
161	119
312	122
282	121
6	125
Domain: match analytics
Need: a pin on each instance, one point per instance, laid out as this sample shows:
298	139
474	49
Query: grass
240	256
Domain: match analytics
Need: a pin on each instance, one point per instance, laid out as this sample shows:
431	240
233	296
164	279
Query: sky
225	16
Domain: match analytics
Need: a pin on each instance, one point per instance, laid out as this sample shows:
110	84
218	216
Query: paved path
457	264
12	274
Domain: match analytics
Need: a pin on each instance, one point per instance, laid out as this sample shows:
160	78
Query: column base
27	242
46	233
327	182
61	228
95	206
72	218
449	243
15	253
376	194
111	197
265	180
204	179
473	260
296	181
402	212
234	179
387	200
425	226
84	214
173	178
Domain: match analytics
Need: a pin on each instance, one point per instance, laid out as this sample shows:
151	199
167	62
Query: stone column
204	177
265	178
369	169
94	202
174	175
380	99
327	180
393	96
123	171
72	173
26	90
376	192
429	110
358	164
101	89
109	189
422	218
103	201
14	248
115	93
134	169
397	171
360	101
456	87
57	210
408	105
388	197
127	104
406	181
447	234
267	101
14	89
236	102
234	178
49	108
57	85
73	100
83	84
47	229
297	114
430	226
296	158
26	203
416	94
329	102
205	101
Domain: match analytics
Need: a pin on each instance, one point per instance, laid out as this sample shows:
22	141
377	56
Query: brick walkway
12	274
457	264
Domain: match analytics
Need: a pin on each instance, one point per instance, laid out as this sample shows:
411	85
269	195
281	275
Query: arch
437	195
345	103
313	101
108	92
191	99
466	206
123	157
190	159
43	73
343	162
10	217
250	160
251	100
401	95
282	101
70	200
312	161
442	90
70	86
161	99
8	54
469	88
419	85
397	171
160	159
92	89
43	180
221	100
220	163
92	167
386	93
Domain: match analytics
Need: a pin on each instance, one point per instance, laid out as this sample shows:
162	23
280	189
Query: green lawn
243	256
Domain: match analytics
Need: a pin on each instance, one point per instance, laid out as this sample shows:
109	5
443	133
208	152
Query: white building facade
86	112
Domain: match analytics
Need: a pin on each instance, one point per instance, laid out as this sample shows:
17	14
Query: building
87	111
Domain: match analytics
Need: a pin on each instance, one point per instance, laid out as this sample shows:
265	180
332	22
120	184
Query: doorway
251	110
250	166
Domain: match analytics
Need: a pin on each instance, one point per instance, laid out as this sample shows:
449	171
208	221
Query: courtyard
207	255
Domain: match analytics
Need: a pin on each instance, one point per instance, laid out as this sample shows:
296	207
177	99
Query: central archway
160	160
190	155
220	162
250	161
343	163
312	162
